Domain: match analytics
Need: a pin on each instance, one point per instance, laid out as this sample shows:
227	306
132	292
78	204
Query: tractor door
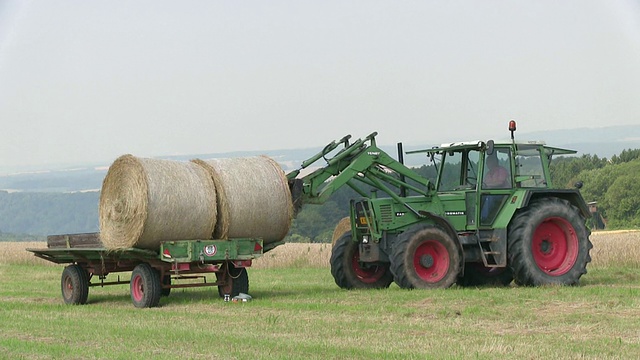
457	186
496	185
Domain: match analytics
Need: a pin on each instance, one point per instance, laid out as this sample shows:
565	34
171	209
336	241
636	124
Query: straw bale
253	198
146	201
344	225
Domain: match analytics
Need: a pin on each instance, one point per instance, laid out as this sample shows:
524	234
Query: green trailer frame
177	264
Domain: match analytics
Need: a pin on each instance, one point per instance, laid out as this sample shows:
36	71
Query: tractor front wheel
425	257
349	272
548	244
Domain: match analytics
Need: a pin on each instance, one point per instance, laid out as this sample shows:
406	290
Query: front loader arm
358	162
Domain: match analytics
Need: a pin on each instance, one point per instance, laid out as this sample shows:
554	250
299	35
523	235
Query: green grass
301	313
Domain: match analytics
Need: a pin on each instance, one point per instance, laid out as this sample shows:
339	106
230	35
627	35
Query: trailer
177	264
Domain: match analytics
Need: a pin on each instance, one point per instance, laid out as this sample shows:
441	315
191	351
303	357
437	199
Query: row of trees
614	184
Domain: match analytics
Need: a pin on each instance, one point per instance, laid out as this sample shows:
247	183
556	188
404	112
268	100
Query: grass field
298	312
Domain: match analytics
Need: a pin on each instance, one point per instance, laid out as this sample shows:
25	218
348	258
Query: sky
87	81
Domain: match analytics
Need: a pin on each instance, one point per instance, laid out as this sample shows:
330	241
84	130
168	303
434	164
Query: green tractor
491	217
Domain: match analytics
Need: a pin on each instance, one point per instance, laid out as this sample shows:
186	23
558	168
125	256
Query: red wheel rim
555	246
369	274
136	288
68	287
431	261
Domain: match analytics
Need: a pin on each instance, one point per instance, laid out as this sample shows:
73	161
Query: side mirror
490	147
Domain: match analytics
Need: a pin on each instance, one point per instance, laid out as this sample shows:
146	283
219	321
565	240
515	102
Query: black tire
146	287
425	257
238	281
166	280
74	285
349	273
548	243
476	274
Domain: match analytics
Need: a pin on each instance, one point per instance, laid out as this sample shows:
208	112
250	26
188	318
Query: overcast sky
87	81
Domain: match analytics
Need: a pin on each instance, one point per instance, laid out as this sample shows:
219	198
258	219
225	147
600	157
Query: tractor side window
450	178
497	170
529	170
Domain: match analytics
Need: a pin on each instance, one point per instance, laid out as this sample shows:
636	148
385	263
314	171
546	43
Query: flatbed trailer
153	273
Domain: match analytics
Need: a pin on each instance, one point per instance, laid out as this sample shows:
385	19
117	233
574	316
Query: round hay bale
344	225
146	201
253	198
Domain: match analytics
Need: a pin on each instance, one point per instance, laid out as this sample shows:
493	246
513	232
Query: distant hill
40	213
604	142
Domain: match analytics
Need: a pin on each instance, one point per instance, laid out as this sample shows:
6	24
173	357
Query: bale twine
146	201
253	198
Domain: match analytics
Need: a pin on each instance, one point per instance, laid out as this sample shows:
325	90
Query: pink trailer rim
137	290
555	246
68	287
431	261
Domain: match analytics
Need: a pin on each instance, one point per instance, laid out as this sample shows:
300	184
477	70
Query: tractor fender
571	195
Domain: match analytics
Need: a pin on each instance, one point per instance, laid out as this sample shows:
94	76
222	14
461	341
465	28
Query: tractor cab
477	178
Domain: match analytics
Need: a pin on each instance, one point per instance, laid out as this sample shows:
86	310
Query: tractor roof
523	147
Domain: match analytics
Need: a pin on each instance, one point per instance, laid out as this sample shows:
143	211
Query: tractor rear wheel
349	272
548	243
476	274
425	257
146	287
75	285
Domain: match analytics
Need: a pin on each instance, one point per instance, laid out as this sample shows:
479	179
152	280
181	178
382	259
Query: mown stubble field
298	312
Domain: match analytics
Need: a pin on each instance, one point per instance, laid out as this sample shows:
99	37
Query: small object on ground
242	297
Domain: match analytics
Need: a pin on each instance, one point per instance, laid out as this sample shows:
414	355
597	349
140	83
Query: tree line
614	184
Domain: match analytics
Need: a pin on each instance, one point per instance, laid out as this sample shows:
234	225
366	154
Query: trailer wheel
146	287
236	281
425	257
75	285
476	274
349	273
549	244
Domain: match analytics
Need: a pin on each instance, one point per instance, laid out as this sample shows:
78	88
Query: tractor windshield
529	167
